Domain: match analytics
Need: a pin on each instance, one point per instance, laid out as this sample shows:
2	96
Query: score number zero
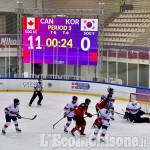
54	42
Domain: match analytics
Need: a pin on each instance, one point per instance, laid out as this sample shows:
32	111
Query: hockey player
111	91
69	111
37	91
134	113
104	103
12	113
105	115
78	117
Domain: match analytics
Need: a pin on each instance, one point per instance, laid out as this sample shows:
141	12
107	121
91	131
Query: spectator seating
124	29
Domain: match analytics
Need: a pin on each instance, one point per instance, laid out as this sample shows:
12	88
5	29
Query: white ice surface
50	112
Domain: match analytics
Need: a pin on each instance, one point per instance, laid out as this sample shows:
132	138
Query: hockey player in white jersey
111	102
105	115
134	113
69	112
12	113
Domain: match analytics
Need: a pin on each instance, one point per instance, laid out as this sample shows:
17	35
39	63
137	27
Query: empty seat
110	25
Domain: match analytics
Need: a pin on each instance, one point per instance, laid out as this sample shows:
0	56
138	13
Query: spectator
122	5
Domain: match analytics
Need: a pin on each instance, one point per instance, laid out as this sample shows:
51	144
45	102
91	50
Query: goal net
143	99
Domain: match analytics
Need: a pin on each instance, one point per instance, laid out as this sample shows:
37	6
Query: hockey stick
118	113
57	122
88	116
29	118
123	111
60	120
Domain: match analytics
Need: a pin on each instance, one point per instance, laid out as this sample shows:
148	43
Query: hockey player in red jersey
69	111
102	121
134	113
79	117
103	103
12	113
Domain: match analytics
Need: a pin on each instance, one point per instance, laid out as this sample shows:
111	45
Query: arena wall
68	87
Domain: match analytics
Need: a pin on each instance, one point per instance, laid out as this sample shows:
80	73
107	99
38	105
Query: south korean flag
89	24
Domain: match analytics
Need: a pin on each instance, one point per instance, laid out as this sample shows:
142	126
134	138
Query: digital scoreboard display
71	41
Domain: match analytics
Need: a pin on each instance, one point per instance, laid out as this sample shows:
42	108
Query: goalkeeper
134	113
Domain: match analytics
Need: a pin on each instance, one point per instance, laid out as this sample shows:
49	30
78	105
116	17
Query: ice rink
39	134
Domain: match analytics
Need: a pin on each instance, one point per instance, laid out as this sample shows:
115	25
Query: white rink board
66	86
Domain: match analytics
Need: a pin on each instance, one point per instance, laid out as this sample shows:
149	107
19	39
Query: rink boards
70	86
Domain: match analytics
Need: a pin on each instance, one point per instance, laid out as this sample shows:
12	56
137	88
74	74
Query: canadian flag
30	23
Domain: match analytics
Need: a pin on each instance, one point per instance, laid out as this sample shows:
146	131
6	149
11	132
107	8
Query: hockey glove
90	115
65	115
18	116
142	112
72	109
126	116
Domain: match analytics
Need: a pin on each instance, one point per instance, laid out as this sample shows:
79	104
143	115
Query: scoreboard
71	41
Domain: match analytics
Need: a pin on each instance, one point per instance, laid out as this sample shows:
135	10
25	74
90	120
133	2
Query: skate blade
72	134
93	139
83	136
102	141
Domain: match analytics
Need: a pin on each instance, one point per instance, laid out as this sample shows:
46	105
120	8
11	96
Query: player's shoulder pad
69	103
10	106
129	103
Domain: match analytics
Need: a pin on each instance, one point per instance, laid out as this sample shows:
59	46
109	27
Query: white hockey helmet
134	102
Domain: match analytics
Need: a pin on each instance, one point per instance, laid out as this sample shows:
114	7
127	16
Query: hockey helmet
16	100
74	98
134	103
87	100
111	90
